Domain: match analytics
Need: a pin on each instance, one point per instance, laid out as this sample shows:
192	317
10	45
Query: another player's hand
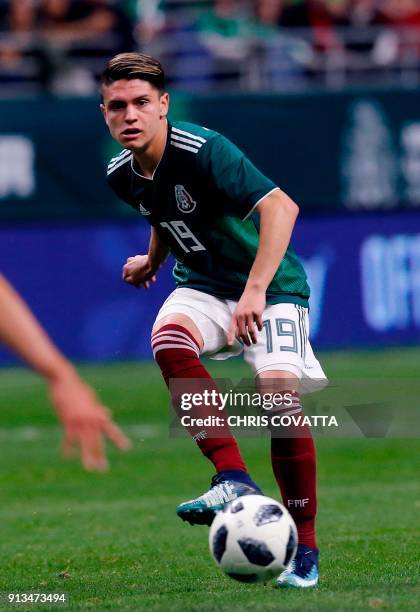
247	317
139	272
86	422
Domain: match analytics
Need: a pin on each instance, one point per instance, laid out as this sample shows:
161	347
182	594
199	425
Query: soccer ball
253	539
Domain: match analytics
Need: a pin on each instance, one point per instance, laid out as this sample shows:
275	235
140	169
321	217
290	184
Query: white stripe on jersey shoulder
116	159
193	143
121	154
178	145
123	161
193	136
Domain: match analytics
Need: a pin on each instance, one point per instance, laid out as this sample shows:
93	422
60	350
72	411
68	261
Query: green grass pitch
113	542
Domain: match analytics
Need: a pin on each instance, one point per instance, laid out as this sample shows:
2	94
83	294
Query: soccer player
240	286
86	422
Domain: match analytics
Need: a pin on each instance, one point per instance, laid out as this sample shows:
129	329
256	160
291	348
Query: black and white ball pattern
253	539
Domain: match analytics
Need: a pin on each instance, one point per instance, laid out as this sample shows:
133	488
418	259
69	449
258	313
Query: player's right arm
140	270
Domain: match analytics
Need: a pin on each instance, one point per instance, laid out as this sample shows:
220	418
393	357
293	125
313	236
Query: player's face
134	111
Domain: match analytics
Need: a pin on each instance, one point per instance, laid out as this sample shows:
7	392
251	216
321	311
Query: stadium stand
248	45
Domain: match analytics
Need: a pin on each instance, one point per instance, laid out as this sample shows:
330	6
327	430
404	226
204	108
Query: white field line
28	433
75	507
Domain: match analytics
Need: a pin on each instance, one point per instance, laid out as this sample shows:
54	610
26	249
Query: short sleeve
233	174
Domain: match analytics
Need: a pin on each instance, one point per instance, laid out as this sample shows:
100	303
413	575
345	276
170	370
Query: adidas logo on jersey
183	199
143	210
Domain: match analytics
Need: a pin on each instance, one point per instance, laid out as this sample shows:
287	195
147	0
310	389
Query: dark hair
134	66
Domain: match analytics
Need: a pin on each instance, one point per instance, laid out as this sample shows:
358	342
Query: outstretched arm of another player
140	270
278	214
84	419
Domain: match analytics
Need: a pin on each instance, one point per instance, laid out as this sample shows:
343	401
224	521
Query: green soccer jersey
201	201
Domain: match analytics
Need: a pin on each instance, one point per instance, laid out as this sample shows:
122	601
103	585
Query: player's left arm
278	214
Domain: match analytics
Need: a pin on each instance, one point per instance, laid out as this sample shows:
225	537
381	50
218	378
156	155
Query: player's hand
139	272
86	422
247	318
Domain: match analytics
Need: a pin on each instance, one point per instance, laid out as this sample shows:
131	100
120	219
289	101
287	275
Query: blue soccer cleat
302	572
225	487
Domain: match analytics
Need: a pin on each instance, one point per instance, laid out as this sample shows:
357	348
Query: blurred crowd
62	44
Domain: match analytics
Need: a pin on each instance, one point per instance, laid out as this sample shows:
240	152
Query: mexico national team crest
183	199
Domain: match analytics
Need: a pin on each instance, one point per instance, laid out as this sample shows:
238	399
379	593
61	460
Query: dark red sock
294	465
177	354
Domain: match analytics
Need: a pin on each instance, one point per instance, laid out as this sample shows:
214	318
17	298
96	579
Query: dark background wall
352	161
331	151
